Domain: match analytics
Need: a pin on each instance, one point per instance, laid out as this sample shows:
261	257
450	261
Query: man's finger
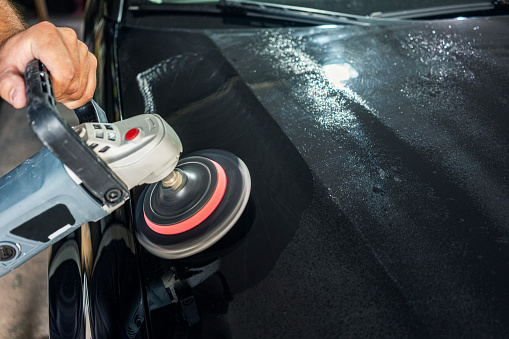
88	94
71	42
83	72
12	89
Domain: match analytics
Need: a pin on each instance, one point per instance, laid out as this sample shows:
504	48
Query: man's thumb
12	89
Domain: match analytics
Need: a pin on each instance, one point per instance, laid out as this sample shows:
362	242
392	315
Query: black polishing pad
168	206
177	223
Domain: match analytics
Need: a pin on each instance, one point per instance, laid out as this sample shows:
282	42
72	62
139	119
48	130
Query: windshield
356	7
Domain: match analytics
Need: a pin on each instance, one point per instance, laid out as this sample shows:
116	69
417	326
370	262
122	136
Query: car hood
379	159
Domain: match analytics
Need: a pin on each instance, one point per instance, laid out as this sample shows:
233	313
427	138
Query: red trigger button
131	134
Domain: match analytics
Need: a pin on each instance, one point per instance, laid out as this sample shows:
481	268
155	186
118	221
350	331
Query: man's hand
71	65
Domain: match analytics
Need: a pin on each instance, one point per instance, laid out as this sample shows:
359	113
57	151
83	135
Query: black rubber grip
86	113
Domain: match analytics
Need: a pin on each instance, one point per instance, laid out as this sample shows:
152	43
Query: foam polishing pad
179	221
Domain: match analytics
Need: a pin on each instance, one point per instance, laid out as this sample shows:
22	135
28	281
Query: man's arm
11	22
71	65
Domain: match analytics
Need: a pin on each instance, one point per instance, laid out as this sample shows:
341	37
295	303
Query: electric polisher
84	173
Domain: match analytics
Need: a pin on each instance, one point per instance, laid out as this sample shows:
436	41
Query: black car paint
379	204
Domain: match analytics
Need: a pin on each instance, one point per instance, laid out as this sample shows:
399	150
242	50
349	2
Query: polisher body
42	200
83	174
140	150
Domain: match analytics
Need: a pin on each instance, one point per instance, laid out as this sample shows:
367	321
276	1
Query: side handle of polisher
64	143
57	190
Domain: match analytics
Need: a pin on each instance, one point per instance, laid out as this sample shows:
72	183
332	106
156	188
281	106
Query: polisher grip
60	139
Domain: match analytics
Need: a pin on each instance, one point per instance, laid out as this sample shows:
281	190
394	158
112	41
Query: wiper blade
262	10
297	14
444	11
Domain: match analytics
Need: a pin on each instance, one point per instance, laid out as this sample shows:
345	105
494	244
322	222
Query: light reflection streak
320	89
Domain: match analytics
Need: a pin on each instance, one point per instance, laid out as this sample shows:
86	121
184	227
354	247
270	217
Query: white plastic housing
141	150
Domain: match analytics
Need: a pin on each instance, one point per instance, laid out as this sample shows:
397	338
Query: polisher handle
63	142
43	199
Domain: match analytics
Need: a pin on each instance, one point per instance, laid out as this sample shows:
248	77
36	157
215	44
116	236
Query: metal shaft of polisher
173	180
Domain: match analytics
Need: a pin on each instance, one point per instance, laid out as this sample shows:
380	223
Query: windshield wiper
262	10
494	7
297	14
311	16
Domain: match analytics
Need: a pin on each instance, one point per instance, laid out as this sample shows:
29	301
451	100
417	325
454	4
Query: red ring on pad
201	215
